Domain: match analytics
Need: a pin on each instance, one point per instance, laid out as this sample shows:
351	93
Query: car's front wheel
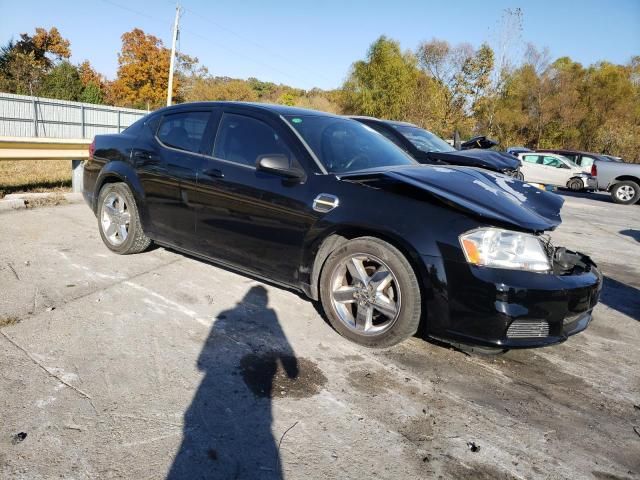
119	221
626	193
370	293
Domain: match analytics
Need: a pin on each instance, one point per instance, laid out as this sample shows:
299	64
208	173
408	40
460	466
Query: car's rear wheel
575	184
626	193
119	221
370	293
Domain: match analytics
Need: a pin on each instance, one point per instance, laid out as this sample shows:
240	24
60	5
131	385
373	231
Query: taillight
92	149
594	170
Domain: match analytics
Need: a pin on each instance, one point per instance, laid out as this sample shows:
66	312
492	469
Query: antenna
173	54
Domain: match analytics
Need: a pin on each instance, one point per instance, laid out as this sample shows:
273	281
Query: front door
250	218
555	171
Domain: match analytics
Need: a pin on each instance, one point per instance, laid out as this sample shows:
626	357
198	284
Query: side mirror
278	164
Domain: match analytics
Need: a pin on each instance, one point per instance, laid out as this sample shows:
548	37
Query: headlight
492	247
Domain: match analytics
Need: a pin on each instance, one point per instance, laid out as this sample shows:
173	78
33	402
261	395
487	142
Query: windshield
424	140
344	145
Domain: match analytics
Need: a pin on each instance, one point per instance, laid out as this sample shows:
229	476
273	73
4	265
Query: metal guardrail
74	149
23	148
26	116
34	128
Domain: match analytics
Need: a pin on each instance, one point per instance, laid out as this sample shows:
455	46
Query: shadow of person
227	427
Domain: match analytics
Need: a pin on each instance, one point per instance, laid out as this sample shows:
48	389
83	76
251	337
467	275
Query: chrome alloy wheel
365	294
115	218
625	193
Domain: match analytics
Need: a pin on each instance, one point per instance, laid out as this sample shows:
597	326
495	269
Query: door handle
213	172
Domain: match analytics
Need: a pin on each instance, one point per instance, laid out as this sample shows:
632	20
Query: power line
208	39
247	40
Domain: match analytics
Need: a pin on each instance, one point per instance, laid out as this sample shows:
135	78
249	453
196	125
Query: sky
312	43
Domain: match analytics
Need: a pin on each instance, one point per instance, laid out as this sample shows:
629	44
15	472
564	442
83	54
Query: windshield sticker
296	120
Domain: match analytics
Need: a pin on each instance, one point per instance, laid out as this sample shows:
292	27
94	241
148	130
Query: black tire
575	185
519	176
407	318
136	241
626	192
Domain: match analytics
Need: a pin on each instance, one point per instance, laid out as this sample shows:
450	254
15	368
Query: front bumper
511	309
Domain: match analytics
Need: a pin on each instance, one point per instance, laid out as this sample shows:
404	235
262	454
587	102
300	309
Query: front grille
528	329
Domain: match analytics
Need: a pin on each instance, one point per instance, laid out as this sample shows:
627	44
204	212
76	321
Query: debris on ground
6	321
15	274
18	437
473	447
637	430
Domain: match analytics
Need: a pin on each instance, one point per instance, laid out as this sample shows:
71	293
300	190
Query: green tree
62	82
383	84
92	93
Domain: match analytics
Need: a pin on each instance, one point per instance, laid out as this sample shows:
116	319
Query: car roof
276	109
562	151
396	123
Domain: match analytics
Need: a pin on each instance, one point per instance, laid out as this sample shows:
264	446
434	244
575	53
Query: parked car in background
481	142
516	150
583	159
427	147
325	205
621	179
553	169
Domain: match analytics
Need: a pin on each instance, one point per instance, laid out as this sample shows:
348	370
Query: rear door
167	162
249	218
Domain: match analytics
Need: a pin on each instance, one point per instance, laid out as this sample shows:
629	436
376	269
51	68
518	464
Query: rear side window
242	140
531	158
184	130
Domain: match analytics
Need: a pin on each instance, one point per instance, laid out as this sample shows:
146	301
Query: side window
242	140
531	158
184	130
552	162
586	161
573	158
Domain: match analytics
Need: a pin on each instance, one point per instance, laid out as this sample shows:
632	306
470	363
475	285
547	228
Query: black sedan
325	205
428	148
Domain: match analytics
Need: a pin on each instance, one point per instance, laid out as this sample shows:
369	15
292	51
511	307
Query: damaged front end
492	196
503	284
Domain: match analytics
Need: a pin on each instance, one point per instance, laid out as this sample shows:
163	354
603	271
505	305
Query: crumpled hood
476	157
480	192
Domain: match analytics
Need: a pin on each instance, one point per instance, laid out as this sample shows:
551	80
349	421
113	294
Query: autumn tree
463	76
23	64
212	88
143	72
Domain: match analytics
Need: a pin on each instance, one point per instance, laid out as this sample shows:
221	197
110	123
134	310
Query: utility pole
173	55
